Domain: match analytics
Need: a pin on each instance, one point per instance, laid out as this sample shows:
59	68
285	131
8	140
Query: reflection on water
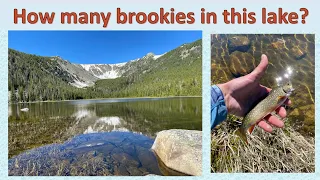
56	122
237	55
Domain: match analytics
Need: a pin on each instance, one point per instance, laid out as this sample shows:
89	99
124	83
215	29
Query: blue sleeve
218	107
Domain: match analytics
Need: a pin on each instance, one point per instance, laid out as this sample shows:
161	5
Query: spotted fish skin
275	99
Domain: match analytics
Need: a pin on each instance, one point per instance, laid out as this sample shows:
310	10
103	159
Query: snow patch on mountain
79	84
157	56
112	71
104	71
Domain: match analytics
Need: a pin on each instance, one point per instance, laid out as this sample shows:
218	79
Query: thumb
258	72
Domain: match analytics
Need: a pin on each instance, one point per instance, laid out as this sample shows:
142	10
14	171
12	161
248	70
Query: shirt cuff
218	107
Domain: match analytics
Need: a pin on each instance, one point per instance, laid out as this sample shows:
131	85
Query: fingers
265	126
288	102
273	120
258	72
281	112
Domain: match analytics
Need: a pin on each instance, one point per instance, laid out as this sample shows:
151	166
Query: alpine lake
95	137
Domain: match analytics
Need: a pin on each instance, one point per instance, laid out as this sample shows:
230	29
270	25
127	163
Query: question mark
306	13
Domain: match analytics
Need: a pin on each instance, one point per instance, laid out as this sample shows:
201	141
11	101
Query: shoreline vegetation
284	150
149	97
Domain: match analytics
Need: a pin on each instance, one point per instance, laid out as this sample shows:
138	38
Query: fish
275	99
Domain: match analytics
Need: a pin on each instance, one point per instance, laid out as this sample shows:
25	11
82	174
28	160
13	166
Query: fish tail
240	132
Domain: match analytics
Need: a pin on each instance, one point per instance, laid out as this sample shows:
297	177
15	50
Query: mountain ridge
176	72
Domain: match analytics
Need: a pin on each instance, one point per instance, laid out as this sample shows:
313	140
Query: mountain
78	76
177	72
112	71
104	71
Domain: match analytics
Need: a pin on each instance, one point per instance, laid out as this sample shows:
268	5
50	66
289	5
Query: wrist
226	95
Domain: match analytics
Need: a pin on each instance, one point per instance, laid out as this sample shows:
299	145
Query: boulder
238	43
298	53
180	150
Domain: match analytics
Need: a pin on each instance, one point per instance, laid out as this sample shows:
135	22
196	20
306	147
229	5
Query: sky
99	47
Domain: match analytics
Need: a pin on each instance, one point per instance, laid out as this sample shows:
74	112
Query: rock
279	44
126	159
298	53
180	150
238	43
121	171
241	64
133	171
24	109
147	159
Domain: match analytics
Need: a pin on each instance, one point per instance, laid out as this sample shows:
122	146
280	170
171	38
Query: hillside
176	73
37	78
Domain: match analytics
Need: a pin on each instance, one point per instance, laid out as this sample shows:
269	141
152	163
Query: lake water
95	137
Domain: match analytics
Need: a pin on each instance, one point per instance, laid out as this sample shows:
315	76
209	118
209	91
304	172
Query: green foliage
37	78
177	73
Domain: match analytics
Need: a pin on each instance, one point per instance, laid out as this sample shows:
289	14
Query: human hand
242	93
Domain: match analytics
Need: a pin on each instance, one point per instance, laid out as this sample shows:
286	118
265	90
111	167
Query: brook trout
275	99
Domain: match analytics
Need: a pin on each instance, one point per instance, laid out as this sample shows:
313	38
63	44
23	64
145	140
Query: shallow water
112	136
283	51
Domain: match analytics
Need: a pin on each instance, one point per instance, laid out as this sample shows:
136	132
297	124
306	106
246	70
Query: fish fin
251	128
281	97
242	135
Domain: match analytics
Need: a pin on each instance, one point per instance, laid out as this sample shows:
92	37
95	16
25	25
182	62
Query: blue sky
99	47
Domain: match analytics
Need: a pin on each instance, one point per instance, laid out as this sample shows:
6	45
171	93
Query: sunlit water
296	51
94	137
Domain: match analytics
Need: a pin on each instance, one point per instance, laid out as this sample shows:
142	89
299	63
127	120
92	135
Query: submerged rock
241	64
180	150
25	109
298	53
238	43
279	44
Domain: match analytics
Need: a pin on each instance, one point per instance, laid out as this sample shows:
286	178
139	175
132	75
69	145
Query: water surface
113	135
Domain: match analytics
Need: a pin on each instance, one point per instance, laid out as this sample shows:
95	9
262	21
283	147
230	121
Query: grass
53	165
26	134
284	150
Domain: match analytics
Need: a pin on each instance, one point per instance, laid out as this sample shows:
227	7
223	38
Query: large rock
180	150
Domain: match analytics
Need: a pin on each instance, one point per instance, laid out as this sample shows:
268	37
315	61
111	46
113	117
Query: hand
242	93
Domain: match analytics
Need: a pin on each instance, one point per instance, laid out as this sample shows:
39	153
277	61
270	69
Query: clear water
95	137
